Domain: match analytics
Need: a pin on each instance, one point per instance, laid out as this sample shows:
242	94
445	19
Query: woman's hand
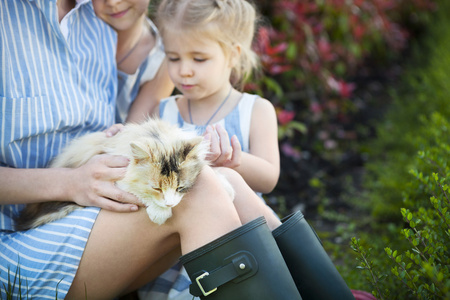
94	184
223	151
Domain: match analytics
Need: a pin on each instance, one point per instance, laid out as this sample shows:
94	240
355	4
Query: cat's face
163	174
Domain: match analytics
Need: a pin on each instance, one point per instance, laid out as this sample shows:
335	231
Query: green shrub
423	269
404	130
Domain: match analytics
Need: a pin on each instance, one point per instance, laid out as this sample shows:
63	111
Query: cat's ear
193	147
138	153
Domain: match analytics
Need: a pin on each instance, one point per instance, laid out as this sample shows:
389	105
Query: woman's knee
208	191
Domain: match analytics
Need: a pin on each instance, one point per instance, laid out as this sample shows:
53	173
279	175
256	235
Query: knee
231	175
208	194
209	186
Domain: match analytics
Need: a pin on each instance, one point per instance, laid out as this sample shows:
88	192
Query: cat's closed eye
182	189
158	189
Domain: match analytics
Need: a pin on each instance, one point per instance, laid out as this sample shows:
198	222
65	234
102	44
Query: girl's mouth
119	14
187	86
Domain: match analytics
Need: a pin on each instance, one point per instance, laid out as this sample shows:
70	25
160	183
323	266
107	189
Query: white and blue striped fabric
45	259
54	85
237	122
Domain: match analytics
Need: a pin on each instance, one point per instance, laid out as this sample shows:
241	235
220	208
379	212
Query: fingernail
134	208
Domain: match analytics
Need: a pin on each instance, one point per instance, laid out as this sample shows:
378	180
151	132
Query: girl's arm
261	167
89	185
150	93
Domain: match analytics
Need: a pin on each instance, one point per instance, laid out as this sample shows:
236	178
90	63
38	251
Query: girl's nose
112	2
186	69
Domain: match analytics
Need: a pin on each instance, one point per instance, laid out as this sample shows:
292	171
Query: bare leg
162	265
126	246
248	205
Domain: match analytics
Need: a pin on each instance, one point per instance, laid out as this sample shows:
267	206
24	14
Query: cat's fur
164	164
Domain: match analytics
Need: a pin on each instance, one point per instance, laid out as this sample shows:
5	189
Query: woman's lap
46	257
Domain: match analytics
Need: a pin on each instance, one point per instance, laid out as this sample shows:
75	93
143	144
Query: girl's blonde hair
229	22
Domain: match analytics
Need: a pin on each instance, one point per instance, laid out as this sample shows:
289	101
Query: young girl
209	55
142	72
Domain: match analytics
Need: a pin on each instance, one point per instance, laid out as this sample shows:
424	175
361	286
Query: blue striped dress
57	81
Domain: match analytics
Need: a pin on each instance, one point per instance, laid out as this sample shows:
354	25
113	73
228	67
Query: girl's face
120	14
198	67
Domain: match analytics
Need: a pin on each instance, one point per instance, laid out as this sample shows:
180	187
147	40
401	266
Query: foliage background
325	67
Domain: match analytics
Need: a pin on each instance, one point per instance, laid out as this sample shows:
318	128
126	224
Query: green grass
13	283
16	282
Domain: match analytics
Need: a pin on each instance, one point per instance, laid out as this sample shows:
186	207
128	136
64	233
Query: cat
164	164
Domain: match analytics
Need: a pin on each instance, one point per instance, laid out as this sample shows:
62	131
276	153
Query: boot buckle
201	287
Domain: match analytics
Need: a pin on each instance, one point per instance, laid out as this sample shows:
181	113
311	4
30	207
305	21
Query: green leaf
388	251
298	126
273	86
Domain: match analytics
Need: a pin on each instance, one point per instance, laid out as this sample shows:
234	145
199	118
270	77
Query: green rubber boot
244	264
314	273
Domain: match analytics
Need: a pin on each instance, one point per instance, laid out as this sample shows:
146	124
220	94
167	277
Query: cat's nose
171	198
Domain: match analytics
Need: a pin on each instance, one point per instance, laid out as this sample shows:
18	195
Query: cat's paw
158	214
227	185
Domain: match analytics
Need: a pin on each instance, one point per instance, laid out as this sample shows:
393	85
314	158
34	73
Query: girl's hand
114	129
223	151
94	184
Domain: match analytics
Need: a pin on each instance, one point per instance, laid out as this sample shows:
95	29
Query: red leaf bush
312	51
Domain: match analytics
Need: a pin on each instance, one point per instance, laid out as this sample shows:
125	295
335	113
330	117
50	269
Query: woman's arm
19	186
150	93
89	185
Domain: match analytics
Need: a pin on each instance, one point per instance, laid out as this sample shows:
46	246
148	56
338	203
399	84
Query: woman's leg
124	246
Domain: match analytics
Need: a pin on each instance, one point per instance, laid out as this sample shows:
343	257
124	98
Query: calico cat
164	164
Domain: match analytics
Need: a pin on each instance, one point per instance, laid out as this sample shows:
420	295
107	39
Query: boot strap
237	267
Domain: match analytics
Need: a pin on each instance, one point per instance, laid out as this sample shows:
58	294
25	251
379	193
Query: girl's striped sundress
237	122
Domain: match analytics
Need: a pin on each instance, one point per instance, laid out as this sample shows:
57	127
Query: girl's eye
199	59
173	59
